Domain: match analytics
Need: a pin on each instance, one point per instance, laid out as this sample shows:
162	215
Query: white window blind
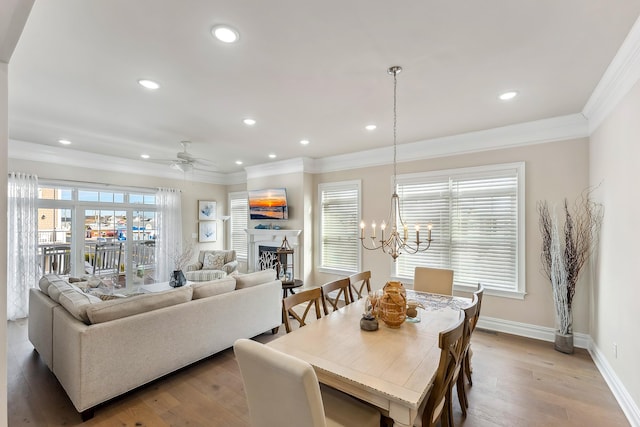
239	205
476	224
340	213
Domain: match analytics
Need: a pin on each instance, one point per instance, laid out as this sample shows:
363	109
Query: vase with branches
181	258
564	255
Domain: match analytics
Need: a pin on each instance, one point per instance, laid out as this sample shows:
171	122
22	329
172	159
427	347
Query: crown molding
535	132
70	157
281	167
621	75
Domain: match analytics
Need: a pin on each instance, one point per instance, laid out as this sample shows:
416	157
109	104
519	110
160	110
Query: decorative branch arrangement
562	261
182	257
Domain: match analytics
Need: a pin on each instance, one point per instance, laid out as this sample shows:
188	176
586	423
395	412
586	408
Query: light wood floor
516	382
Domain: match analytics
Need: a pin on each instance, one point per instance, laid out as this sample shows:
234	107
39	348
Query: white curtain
22	242
169	236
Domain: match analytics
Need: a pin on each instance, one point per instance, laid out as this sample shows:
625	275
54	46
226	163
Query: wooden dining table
392	369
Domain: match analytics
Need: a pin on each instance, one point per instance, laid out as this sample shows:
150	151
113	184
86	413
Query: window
239	213
73	219
478	231
339	220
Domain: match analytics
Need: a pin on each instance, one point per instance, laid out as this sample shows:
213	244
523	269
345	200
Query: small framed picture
206	210
207	231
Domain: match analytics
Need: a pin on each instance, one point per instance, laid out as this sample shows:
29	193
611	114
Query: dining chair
359	282
283	390
433	280
312	297
467	357
332	293
437	405
469	319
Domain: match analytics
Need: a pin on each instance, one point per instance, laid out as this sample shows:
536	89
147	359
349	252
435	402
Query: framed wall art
206	210
207	231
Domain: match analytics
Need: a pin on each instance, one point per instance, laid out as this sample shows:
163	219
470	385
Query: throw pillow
213	261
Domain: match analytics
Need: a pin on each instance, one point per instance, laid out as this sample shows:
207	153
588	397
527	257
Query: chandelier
395	243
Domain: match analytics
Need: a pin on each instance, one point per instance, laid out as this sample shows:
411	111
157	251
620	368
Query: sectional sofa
101	349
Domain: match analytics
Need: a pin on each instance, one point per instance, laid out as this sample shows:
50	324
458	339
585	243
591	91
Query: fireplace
266	238
282	261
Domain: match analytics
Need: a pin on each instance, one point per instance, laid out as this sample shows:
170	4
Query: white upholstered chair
433	280
284	391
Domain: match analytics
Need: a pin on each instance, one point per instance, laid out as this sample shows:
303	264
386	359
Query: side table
289	287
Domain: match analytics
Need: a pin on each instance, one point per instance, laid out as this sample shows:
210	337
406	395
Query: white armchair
212	264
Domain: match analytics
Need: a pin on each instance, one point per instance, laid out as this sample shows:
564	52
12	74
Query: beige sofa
101	349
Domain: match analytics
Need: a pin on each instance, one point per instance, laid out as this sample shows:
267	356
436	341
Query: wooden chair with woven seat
313	298
469	319
433	280
467	357
283	390
360	282
336	291
437	405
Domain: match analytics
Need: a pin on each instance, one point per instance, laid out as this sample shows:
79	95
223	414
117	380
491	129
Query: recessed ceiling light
64	141
508	95
249	122
238	162
272	156
304	142
225	33
145	156
370	127
149	84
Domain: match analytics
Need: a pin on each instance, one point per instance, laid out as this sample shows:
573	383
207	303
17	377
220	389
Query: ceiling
302	69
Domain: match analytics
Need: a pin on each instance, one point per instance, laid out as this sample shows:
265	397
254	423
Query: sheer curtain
169	236
22	242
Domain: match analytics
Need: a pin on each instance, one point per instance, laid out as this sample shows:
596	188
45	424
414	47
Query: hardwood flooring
516	382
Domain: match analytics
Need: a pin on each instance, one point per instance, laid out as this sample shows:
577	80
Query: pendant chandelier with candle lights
397	241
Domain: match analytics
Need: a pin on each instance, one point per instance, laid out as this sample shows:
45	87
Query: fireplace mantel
270	237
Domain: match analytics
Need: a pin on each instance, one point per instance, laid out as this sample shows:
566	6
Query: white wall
614	166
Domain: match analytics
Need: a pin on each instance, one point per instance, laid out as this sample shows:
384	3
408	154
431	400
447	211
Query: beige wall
297	185
614	156
191	192
553	171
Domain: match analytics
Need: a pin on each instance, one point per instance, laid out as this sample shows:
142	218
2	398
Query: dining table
390	368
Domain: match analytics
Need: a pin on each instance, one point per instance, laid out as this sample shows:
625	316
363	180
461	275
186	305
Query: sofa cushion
58	287
45	282
76	303
124	307
213	261
214	287
256	278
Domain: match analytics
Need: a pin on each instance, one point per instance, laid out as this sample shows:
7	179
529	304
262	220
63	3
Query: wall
191	192
553	171
296	184
614	154
4	144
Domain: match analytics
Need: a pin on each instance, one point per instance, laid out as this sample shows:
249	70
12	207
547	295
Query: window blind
475	226
340	213
239	214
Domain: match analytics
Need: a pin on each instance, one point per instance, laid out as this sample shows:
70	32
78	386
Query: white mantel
271	237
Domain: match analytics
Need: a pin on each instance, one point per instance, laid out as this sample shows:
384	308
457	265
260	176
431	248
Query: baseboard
621	394
543	333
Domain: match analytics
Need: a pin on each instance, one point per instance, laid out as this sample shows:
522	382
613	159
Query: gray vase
564	343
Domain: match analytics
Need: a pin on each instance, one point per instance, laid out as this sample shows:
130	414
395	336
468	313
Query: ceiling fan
187	162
